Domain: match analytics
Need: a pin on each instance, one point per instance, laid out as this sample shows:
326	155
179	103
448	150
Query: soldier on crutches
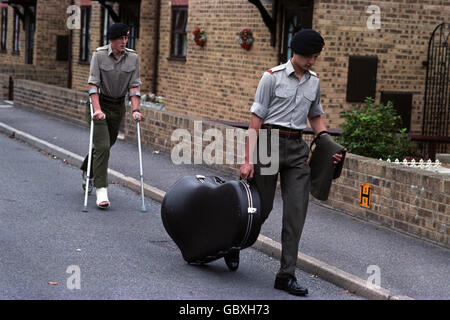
114	73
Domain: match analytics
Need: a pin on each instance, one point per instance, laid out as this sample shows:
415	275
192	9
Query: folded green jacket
323	171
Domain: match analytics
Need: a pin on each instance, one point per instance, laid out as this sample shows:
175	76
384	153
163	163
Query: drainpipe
156	50
69	80
11	89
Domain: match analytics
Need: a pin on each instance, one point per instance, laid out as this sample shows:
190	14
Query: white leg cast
102	198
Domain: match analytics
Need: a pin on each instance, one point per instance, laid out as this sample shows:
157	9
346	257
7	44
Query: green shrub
375	131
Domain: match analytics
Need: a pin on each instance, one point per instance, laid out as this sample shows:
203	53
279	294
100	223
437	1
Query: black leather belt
119	100
285	132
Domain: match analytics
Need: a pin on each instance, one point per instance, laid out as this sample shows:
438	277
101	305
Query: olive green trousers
105	135
295	186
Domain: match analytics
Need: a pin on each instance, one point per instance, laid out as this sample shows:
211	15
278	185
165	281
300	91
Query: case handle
200	178
317	137
219	180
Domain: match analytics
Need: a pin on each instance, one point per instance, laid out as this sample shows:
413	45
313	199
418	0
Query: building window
294	17
361	78
107	21
4	29
16	36
129	13
179	32
85	34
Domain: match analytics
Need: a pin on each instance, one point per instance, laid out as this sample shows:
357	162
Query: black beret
306	42
117	30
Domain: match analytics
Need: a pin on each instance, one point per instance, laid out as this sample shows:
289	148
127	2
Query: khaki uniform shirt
114	77
281	99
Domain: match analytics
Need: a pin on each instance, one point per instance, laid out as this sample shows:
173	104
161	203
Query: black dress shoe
290	285
232	260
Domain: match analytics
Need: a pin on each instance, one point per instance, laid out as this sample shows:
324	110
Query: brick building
373	48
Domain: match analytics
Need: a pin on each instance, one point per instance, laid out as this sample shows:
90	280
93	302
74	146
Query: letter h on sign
365	195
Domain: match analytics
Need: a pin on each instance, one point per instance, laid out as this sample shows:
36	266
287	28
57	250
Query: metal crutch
91	138
141	173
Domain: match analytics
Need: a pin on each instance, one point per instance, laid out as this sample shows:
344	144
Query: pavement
335	246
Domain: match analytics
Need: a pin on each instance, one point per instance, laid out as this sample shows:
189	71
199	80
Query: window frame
16	34
129	14
302	13
109	21
4	31
85	34
174	33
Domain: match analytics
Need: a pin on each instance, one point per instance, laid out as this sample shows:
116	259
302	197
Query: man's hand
135	103
137	116
337	157
318	125
99	115
247	171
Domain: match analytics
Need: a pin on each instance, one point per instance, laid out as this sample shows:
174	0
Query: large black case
207	216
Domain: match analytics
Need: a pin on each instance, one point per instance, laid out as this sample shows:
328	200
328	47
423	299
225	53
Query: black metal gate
436	110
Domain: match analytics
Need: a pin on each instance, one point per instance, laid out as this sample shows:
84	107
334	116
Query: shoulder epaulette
130	50
277	68
314	74
102	48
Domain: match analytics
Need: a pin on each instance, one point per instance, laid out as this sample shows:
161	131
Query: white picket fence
421	164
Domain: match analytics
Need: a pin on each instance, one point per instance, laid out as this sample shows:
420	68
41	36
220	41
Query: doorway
295	15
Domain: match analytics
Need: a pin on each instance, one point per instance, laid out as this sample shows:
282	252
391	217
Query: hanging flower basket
199	37
245	38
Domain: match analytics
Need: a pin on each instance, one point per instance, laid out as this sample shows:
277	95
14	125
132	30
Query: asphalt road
408	266
50	249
